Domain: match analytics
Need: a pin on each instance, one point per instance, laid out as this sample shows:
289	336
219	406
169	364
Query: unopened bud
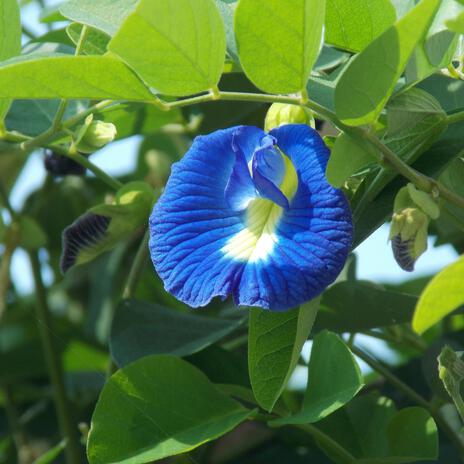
94	135
280	114
408	234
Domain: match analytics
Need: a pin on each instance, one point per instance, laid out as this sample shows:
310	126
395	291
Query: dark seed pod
402	251
58	165
83	233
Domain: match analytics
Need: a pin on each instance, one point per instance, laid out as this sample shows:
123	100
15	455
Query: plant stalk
65	420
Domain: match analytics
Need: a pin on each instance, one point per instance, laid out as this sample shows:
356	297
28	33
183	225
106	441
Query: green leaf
10	39
371	429
415	120
349	155
96	42
176	46
279	41
80	356
52	454
441	297
140	329
437	48
105	225
227	10
358	306
31	235
92	77
412	435
138	118
165	406
334	378
456	24
353	24
106	15
275	341
32	117
369	80
51	14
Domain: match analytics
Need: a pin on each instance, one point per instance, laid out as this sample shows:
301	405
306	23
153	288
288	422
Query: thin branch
67	426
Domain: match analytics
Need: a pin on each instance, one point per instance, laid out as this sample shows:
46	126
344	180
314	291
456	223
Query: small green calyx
93	135
413	210
280	114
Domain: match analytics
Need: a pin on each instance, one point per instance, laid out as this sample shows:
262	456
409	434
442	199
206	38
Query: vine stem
137	267
133	278
345	456
68	430
421	181
64	103
413	396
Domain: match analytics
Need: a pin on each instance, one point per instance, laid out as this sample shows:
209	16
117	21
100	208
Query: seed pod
59	165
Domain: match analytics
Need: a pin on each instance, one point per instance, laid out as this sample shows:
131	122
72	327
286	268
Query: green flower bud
94	135
413	210
408	234
282	113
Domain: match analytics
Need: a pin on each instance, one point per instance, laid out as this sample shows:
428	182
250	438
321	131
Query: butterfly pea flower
250	214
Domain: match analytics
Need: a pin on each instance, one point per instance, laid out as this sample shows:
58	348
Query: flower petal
240	189
265	256
310	241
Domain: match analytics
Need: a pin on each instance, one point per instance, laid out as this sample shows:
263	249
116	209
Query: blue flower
251	214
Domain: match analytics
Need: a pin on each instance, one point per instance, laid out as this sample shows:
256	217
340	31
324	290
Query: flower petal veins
251	215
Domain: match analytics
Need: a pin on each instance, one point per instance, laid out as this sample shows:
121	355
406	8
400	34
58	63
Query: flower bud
282	113
94	135
413	210
59	165
408	234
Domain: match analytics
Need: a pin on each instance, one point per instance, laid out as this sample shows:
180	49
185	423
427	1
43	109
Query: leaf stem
102	175
67	427
64	103
329	443
137	267
414	397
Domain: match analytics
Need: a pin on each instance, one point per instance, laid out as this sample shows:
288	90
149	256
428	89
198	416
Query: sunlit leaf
176	46
352	25
441	297
279	41
10	39
370	78
93	77
167	405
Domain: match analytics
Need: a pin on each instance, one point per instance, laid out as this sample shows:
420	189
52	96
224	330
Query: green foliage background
102	365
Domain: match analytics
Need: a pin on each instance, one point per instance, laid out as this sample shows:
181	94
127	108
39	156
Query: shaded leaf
32	117
334	379
140	329
96	42
358	306
372	430
347	157
169	406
